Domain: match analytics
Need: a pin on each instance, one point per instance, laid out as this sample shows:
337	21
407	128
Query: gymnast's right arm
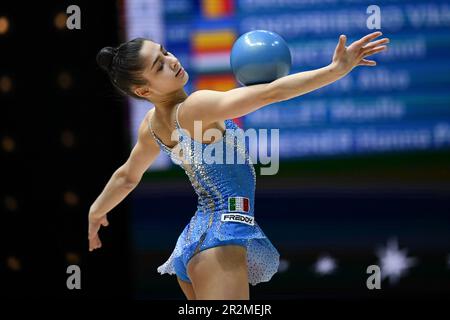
121	183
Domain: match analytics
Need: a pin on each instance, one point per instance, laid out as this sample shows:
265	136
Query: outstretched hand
346	58
94	227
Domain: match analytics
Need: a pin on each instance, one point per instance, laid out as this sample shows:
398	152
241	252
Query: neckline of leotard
156	137
177	125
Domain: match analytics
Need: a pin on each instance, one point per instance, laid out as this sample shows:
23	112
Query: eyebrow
160	49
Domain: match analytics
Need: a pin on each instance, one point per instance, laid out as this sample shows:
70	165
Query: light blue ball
260	56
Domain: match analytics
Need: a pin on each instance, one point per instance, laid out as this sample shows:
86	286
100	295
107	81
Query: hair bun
105	58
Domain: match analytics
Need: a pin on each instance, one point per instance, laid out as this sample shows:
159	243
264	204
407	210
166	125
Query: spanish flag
217	8
218	82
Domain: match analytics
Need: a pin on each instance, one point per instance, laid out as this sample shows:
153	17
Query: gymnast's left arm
121	183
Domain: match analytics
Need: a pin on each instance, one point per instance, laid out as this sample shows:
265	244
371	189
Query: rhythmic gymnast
222	249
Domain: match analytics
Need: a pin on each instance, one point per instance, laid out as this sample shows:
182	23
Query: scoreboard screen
401	104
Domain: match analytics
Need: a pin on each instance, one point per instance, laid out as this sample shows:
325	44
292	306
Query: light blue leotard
225	210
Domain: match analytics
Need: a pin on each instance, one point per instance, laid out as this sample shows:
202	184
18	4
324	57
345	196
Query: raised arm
210	106
121	183
343	61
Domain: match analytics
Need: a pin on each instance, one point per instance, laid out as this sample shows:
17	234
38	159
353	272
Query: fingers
94	227
376	43
95	243
373	51
104	222
365	62
366	39
342	41
341	45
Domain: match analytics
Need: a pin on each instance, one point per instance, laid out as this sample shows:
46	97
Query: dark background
64	131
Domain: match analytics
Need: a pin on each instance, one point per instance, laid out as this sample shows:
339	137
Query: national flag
238	204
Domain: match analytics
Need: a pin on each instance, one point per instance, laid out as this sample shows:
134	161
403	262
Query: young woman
222	249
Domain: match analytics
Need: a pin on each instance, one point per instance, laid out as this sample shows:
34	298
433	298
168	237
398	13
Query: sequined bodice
216	171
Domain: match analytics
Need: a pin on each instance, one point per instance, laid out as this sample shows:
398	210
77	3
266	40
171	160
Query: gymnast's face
161	68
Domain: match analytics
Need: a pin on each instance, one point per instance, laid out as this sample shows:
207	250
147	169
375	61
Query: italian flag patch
238	204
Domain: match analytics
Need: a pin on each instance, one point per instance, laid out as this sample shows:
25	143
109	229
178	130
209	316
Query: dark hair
124	65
